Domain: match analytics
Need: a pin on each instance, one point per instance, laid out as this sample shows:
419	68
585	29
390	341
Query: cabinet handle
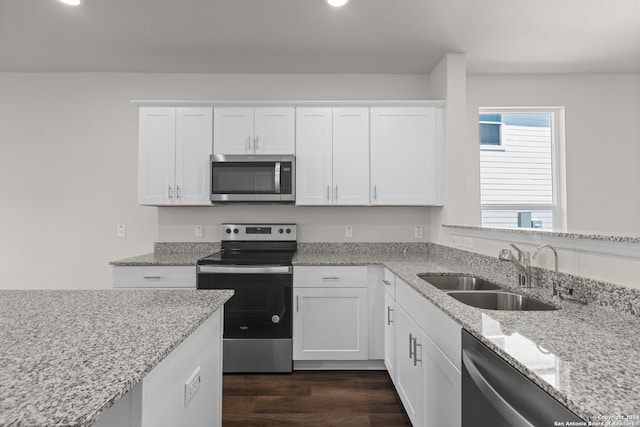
178	192
375	192
255	142
415	352
386	282
412	349
336	194
389	310
331	278
152	277
328	190
297	303
249	142
170	192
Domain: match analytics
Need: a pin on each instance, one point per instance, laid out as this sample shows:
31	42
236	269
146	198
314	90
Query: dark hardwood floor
307	398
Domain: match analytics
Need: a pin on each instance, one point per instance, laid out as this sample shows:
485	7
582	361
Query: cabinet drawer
330	276
389	282
443	331
154	276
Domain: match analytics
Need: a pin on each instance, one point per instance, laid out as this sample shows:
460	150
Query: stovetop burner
254	244
238	257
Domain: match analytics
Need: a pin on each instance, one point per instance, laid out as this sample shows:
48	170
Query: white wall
602	122
602	151
68	162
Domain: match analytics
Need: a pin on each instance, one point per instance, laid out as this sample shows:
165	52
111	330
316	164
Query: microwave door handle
277	177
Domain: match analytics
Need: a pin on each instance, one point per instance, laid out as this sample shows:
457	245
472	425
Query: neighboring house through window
519	168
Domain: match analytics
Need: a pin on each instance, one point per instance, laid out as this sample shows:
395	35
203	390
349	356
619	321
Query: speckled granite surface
569	235
68	356
584	356
172	253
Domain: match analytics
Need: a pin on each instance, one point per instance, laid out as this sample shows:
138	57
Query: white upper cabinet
406	156
269	130
174	148
332	160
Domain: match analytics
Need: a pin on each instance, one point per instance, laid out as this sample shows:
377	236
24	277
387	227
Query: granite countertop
160	259
584	355
69	355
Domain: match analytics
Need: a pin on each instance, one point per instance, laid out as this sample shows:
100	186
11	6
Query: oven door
261	305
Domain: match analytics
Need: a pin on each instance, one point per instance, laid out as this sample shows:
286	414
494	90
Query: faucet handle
505	255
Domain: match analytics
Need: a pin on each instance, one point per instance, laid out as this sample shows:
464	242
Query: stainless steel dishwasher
495	394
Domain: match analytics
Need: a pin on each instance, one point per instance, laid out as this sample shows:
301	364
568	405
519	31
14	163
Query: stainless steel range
255	261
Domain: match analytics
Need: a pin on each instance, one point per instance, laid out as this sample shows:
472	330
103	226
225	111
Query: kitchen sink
500	300
458	283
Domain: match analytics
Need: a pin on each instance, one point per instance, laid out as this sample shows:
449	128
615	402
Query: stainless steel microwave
249	178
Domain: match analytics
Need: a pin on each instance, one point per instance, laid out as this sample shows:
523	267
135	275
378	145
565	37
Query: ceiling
308	36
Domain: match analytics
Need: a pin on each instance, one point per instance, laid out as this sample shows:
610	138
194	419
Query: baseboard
331	365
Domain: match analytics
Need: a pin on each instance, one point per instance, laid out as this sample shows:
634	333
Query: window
519	172
490	126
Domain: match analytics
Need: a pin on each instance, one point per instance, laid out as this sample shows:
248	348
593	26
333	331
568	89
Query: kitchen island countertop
68	355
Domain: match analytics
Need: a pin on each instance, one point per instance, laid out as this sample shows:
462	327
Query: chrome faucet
522	263
558	290
554	286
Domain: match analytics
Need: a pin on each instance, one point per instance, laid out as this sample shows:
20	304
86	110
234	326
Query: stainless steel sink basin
458	283
500	300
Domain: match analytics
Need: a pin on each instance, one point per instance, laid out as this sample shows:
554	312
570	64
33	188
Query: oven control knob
275	318
288	231
281	231
236	231
228	230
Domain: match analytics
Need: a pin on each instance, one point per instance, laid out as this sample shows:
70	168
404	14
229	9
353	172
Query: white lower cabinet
443	395
154	276
330	324
337	313
410	367
390	335
427	360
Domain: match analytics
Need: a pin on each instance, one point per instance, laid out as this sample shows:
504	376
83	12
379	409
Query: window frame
558	163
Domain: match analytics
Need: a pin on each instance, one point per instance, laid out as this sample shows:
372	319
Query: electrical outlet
457	241
192	386
418	233
199	231
467	242
348	231
121	230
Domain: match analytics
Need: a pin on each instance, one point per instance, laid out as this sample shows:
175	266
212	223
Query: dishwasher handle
500	403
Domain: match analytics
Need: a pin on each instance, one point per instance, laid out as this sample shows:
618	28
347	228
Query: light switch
121	230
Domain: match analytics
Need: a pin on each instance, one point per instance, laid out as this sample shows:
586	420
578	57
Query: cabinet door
351	156
233	131
405	156
194	142
330	324
443	389
410	376
389	335
274	131
156	156
313	158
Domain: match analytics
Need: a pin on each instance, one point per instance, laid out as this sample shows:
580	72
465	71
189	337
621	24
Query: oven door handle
245	269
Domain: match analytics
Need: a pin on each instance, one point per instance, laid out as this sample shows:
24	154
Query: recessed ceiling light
337	3
72	2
